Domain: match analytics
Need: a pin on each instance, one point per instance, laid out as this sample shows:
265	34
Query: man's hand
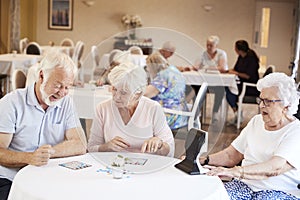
41	156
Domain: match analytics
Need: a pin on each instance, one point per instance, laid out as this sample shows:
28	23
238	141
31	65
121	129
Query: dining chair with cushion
18	79
246	99
67	42
33	48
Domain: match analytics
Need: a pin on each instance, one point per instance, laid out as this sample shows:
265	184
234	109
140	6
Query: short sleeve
161	128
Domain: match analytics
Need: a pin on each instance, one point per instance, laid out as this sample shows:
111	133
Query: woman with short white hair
130	121
267	147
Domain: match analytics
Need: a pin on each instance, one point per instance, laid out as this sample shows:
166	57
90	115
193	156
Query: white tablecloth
63	49
86	99
10	62
55	182
213	79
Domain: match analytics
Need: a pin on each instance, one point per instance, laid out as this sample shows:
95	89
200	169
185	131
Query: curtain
14	26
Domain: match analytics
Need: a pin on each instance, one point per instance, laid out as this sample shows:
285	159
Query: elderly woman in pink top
129	121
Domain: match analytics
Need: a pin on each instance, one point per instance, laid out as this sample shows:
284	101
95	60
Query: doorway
275	26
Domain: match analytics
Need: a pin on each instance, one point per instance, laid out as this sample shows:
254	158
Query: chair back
33	48
96	61
18	79
196	109
78	51
67	42
270	69
193	115
22	44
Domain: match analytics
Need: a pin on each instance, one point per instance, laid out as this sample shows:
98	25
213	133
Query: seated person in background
167	49
113	61
39	122
135	50
246	70
268	147
130	121
167	86
213	59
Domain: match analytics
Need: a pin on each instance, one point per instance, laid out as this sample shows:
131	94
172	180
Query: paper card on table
135	161
75	165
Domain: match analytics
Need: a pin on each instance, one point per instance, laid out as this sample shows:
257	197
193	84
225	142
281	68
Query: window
265	27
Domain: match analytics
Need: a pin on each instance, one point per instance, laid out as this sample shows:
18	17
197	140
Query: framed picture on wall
60	14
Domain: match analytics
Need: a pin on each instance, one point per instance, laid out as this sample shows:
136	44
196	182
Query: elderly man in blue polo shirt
39	122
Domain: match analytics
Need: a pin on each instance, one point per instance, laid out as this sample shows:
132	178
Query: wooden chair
33	48
67	42
18	79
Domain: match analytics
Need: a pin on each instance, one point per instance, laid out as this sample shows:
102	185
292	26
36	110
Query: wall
230	20
28	19
4	7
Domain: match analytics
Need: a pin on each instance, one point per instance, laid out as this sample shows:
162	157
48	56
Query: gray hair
59	60
129	77
213	39
286	89
156	62
169	46
113	54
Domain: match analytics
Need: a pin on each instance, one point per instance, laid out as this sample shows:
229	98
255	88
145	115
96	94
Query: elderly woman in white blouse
268	147
129	121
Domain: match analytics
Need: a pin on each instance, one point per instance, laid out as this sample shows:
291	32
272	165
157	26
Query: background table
87	98
56	182
10	62
212	79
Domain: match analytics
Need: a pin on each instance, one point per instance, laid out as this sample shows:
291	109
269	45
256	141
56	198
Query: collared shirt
31	126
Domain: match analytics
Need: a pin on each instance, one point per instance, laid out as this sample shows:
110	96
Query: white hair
113	54
59	60
129	77
286	89
156	63
214	39
169	46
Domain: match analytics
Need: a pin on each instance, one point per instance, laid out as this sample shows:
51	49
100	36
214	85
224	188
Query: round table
167	182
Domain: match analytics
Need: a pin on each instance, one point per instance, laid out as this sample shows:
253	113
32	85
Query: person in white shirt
129	121
267	147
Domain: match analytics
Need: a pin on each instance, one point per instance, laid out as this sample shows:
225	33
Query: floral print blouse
171	85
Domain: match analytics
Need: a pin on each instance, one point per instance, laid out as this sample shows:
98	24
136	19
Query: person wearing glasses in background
129	121
267	147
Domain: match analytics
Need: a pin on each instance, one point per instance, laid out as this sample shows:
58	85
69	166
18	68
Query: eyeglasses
266	102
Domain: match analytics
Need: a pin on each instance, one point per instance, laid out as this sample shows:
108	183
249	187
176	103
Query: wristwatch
206	161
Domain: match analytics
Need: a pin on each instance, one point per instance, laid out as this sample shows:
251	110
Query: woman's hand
224	172
116	144
152	145
232	71
99	82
